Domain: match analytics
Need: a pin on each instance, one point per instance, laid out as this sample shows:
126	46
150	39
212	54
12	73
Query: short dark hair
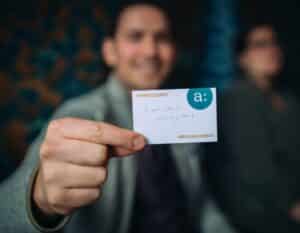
114	18
241	42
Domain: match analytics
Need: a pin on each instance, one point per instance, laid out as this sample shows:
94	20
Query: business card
176	115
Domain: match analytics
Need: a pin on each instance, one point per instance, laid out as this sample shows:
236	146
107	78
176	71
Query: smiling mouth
149	68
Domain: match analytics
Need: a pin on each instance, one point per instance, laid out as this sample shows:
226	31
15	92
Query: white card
176	116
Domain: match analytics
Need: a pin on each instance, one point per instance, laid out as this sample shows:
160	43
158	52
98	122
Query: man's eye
135	37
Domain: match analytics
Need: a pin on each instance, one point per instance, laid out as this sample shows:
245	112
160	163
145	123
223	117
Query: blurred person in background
257	178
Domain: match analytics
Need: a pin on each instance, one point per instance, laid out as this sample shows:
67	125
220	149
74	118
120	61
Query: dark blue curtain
219	29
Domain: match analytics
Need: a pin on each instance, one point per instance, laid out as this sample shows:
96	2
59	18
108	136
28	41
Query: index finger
97	132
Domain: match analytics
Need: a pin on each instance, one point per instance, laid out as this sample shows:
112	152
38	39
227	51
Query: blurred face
142	52
263	56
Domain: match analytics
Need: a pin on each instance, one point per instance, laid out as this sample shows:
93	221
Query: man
257	178
77	167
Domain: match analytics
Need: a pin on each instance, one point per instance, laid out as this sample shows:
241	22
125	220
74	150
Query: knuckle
103	150
95	160
55	198
66	211
46	150
99	130
55	125
105	174
52	147
131	139
101	176
95	194
98	157
103	154
49	174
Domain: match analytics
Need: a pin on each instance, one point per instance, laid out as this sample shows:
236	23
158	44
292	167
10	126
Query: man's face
142	52
263	55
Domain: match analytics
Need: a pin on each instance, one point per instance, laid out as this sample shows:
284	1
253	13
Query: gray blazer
112	212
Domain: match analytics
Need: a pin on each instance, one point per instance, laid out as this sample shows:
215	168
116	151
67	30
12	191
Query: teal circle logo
200	98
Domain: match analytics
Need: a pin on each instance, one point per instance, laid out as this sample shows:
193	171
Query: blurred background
50	51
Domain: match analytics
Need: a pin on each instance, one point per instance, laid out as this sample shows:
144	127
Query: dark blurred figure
7	162
257	177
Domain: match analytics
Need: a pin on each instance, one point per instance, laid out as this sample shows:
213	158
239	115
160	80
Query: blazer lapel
120	114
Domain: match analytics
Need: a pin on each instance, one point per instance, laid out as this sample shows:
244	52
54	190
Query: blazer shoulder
85	106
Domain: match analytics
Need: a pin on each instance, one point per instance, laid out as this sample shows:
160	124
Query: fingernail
139	142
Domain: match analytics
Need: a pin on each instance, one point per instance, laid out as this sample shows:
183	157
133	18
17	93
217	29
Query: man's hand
73	162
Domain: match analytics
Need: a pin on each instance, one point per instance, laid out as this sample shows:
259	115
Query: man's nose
150	47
